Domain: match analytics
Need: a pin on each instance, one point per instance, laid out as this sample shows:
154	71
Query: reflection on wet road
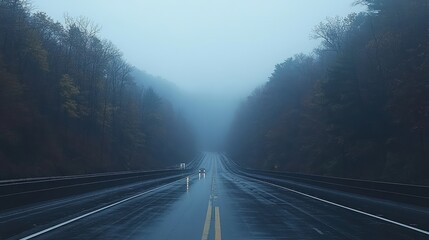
218	205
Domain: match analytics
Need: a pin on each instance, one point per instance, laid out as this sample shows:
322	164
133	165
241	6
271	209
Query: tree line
357	107
69	105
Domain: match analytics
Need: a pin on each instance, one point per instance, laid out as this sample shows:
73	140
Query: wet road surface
216	205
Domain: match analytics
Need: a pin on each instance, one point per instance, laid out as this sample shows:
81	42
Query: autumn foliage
357	107
68	104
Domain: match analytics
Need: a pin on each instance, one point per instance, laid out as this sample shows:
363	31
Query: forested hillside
209	116
68	103
165	89
357	107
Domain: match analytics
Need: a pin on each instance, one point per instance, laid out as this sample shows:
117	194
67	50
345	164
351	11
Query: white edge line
348	208
93	212
318	231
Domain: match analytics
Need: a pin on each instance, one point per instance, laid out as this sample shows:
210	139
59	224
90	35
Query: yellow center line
218	233
213	195
207	223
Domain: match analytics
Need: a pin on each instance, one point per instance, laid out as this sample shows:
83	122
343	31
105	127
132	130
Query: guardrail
404	193
20	192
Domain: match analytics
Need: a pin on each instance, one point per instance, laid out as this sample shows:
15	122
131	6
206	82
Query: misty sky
222	47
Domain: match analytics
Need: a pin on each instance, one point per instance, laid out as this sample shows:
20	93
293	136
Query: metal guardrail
20	192
404	193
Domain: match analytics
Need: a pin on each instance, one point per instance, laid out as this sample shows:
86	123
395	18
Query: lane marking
218	232
206	230
318	231
94	212
212	201
208	220
348	208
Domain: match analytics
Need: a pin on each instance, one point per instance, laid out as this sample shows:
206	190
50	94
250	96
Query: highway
221	204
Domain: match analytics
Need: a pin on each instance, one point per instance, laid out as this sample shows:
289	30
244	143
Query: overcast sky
222	47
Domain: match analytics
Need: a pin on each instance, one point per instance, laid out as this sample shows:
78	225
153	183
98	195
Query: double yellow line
218	232
206	230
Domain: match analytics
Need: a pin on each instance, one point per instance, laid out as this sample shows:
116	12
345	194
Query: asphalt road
217	205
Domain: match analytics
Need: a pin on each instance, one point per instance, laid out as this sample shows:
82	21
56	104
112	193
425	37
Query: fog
214	52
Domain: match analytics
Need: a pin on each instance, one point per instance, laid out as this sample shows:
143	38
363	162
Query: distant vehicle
202	170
